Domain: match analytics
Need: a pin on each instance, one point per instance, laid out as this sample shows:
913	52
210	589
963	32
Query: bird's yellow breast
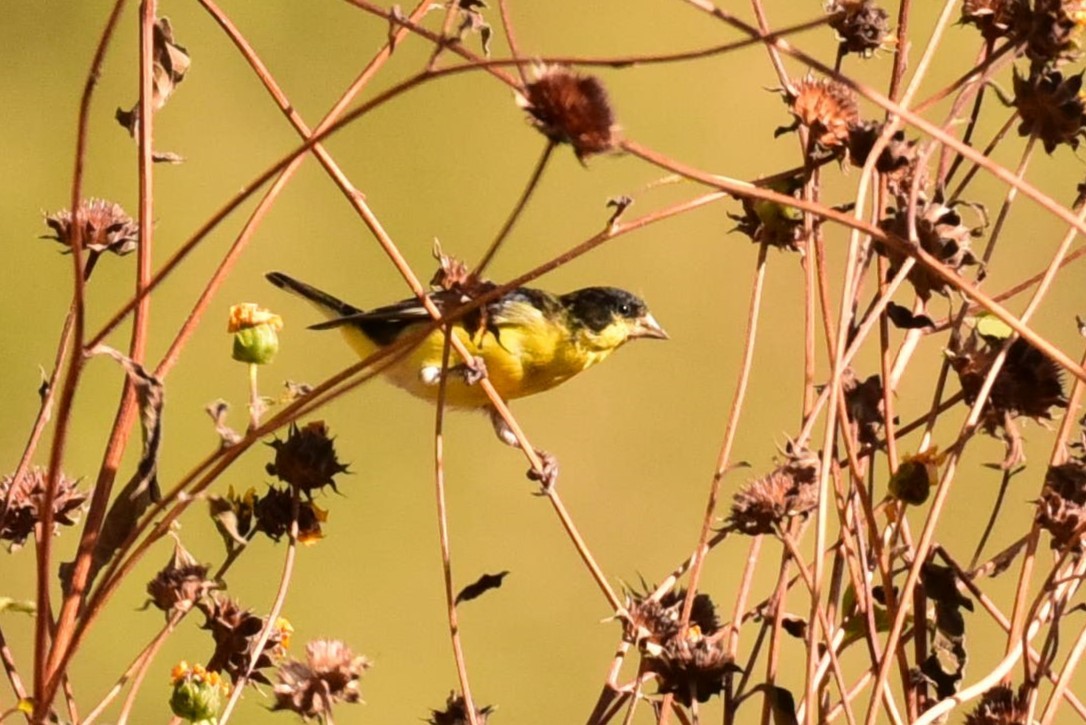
524	354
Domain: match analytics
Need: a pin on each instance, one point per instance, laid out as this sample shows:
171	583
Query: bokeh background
637	438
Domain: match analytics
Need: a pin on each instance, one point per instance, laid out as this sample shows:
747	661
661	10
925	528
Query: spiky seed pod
1062	508
653	622
1001	706
997	18
897	162
827	108
456	712
787	491
861	25
235	632
330	674
180	584
307	458
27	502
106	227
1028	384
274	510
1052	31
864	403
941	233
568	107
774	224
1051	108
691	668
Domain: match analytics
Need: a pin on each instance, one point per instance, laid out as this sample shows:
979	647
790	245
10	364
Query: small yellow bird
528	340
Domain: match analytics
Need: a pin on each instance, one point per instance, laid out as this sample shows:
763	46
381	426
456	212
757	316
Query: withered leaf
142	489
795	626
167	157
218	411
782	704
481	586
170	64
904	319
22	606
1001	561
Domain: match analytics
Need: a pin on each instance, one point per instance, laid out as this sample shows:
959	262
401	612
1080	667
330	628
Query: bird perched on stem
525	342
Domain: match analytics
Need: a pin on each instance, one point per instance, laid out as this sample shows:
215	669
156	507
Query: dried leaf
1000	562
904	319
167	157
170	64
25	606
795	626
782	704
481	586
218	411
142	489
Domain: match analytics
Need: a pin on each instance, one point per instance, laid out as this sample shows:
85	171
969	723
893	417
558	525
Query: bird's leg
470	374
549	474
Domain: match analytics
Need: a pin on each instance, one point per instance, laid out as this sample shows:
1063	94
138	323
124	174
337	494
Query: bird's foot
475	372
547	475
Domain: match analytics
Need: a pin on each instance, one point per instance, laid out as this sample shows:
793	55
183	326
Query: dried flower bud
307	458
568	107
897	162
25	510
197	693
275	510
827	108
941	233
329	674
180	584
691	668
653	622
105	227
235	632
864	403
765	503
1062	508
256	333
1051	108
1052	30
456	712
233	515
774	224
912	481
861	25
997	18
1000	706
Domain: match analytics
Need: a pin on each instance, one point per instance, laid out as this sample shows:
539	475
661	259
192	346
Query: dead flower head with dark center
1061	510
1001	706
329	674
691	667
861	25
653	622
941	233
568	107
307	458
235	632
180	584
25	511
1051	108
767	502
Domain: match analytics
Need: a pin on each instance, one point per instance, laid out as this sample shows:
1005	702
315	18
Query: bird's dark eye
624	310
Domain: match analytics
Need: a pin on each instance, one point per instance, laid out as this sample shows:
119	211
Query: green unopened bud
197	694
256	333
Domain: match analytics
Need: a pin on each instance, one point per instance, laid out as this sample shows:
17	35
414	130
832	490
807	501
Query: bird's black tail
331	306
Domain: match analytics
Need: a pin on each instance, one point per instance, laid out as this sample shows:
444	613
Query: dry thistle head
307	458
1051	107
775	224
1062	508
691	668
275	510
827	108
568	107
105	227
180	584
25	511
235	632
766	503
330	674
653	623
996	18
861	25
941	233
197	693
456	712
1000	706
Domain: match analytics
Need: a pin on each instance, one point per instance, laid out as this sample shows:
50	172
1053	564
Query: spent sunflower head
827	108
1051	107
235	632
568	107
862	26
103	227
765	503
1001	706
307	458
941	233
456	712
330	674
180	584
26	505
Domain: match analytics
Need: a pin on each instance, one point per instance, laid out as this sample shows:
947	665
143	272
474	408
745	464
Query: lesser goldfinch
528	340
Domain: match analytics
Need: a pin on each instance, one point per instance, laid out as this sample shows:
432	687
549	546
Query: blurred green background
637	438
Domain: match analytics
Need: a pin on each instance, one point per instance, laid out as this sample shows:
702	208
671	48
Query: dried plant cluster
870	615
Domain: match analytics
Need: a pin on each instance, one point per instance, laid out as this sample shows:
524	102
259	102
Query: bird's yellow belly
518	365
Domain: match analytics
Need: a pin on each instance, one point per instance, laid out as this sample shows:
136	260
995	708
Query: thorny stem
443	532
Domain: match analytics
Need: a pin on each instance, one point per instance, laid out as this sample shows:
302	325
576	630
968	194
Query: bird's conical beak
647	326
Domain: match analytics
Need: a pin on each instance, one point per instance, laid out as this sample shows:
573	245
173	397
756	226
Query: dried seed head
653	623
862	25
1029	384
235	632
1051	108
897	162
330	674
827	108
105	227
1062	508
274	511
1052	30
691	668
915	476
1000	706
233	515
197	693
864	403
27	498
307	458
765	503
456	712
180	584
941	233
568	107
996	18
775	224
